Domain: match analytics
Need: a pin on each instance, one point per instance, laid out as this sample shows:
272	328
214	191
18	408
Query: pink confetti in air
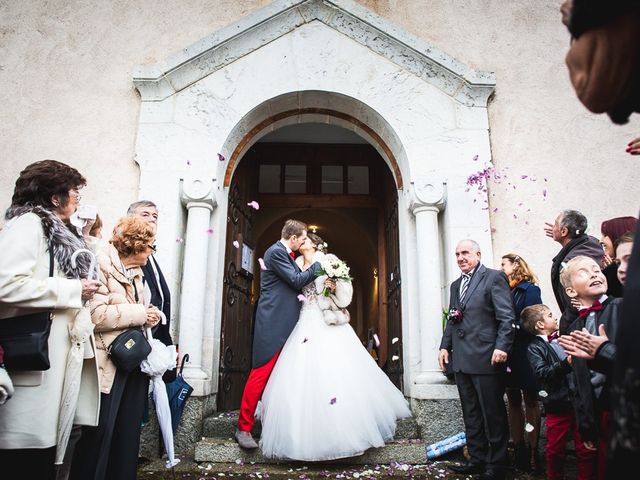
209	231
475	158
495	210
221	157
179	240
301	298
508	370
262	265
524	177
188	162
253	204
544	193
332	401
545	179
305	340
515	216
236	244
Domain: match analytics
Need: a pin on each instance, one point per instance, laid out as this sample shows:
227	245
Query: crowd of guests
127	291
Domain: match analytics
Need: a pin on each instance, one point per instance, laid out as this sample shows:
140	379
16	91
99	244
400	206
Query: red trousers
559	425
257	381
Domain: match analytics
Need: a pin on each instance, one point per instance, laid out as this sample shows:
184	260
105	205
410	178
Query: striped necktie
466	277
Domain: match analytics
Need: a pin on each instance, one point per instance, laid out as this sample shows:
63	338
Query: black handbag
25	338
129	349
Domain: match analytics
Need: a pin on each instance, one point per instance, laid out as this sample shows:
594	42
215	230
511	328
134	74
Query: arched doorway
341	187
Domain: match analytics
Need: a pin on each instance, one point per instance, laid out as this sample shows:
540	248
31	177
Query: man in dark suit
154	280
277	313
479	334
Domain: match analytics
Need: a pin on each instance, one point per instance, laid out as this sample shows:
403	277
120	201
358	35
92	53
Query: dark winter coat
553	374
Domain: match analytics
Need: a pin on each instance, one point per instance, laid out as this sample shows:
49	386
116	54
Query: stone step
222	425
215	450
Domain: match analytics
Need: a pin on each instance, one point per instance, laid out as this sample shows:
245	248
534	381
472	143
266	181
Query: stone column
198	196
428	199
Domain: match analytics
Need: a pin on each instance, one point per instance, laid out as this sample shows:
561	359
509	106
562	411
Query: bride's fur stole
334	306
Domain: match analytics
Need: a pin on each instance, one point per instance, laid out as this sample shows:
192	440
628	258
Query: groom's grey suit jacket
278	306
487	322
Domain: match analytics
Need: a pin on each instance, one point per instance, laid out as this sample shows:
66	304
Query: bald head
468	255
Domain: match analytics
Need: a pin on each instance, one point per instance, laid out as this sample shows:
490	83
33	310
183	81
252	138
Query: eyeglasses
76	195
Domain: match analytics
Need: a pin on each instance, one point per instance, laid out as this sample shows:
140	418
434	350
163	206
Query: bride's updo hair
317	240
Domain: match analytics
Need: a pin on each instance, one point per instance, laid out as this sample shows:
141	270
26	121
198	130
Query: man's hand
548	229
498	357
633	148
443	359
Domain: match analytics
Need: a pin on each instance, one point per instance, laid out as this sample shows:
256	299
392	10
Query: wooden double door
309	181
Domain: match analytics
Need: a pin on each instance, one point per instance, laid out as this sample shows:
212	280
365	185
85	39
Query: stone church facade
343	114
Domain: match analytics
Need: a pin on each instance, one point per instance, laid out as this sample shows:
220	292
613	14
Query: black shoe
467	468
493	475
522	457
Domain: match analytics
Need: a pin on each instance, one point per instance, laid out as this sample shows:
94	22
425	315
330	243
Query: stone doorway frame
294	61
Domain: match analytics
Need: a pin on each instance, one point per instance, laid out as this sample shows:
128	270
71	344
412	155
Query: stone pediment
465	85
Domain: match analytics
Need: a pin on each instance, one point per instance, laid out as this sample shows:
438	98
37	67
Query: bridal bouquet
334	268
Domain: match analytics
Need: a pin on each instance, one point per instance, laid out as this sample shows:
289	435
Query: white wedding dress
326	397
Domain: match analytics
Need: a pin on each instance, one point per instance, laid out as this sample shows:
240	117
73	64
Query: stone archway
329	61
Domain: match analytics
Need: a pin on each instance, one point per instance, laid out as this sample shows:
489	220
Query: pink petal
253	204
179	240
523	177
544	192
475	158
236	244
332	401
188	162
262	265
221	157
301	298
515	216
495	210
209	231
305	340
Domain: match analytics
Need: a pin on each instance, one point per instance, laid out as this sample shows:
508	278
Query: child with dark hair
552	366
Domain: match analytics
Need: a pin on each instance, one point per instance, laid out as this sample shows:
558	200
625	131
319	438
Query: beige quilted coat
114	308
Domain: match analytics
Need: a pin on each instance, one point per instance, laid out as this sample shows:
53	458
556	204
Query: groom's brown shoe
245	440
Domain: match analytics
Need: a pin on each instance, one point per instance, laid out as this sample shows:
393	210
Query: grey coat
278	307
487	323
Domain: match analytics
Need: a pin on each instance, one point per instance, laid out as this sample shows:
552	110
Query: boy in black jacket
551	366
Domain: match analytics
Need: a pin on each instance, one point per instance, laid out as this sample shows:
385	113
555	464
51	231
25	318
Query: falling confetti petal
508	370
528	427
495	210
333	401
475	158
236	244
209	231
221	157
262	265
253	204
544	193
301	298
305	340
188	162
543	394
179	240
523	177
376	339
395	358
394	340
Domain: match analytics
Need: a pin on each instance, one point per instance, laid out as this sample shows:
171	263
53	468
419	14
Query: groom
277	313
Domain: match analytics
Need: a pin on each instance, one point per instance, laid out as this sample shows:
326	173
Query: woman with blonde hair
521	381
110	451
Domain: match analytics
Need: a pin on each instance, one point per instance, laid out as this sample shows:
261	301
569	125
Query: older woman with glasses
38	239
111	449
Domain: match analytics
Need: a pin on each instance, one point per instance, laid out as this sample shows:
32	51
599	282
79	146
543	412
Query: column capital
198	192
427	194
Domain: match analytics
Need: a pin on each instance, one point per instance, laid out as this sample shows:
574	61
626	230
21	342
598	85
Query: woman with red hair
611	231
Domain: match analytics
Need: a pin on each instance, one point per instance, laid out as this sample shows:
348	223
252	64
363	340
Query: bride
326	397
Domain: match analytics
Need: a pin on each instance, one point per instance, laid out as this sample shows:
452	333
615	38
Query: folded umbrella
161	359
179	392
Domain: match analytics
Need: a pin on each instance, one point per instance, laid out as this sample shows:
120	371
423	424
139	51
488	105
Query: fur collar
59	237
